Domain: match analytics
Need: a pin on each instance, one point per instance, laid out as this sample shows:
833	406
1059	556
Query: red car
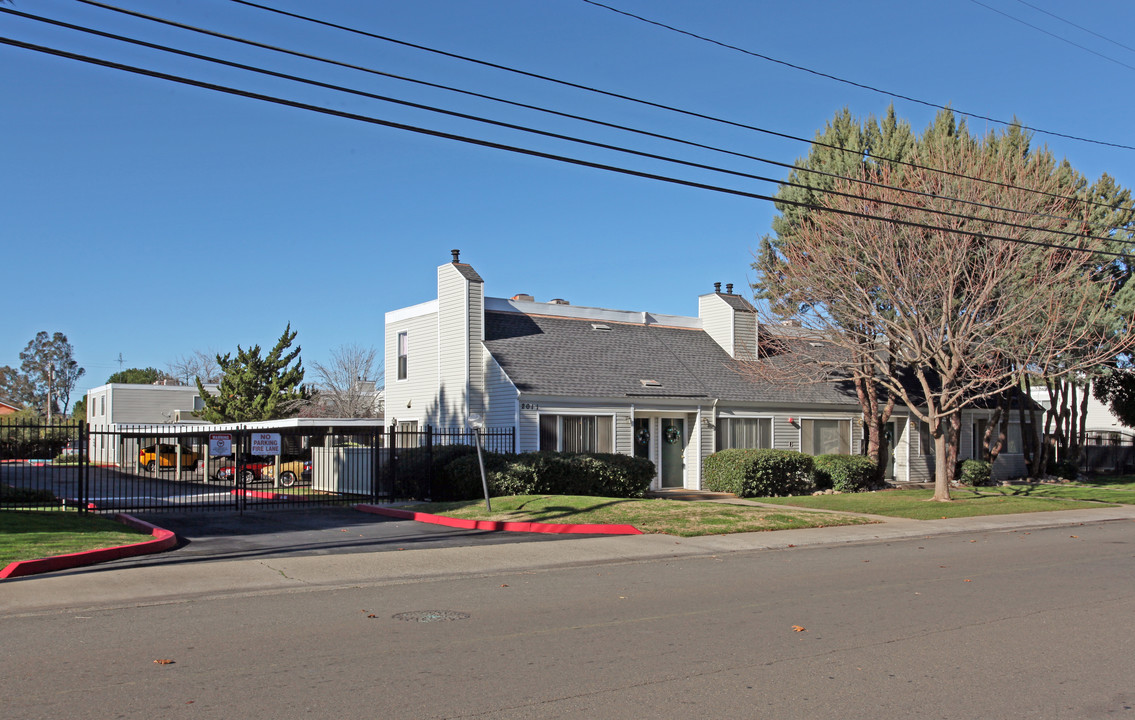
251	471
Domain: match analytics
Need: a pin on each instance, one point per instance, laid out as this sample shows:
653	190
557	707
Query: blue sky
150	219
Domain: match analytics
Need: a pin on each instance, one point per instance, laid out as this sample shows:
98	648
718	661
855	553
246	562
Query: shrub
462	476
553	473
758	473
10	495
974	472
1064	469
845	473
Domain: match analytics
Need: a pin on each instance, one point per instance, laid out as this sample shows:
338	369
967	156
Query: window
825	437
406	434
577	433
102	405
403	353
1012	439
744	433
925	439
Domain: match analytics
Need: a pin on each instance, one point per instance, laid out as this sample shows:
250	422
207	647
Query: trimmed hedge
551	473
758	473
974	472
844	473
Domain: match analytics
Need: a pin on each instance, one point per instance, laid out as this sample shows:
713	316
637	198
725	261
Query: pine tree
256	388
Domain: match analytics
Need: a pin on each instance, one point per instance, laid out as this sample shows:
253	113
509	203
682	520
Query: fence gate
163	467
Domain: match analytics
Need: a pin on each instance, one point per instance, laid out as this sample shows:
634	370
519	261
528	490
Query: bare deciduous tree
348	384
187	368
942	318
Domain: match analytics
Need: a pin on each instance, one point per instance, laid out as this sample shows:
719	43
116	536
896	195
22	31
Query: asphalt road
1036	623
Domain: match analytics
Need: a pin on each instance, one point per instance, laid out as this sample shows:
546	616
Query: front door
673	452
890	432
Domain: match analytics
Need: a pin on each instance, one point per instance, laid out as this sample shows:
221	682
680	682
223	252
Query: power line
845	81
558	136
1078	27
608	93
528	151
514	103
1052	34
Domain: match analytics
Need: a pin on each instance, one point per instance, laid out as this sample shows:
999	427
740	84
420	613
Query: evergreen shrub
845	473
974	472
758	472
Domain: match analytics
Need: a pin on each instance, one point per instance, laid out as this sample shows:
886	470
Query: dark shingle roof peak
467	271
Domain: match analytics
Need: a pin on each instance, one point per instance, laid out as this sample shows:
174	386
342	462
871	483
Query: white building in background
115	405
1100	423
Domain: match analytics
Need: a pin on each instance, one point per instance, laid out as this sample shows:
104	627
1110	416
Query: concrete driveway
227	535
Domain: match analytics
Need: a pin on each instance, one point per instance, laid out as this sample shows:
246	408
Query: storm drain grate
425	616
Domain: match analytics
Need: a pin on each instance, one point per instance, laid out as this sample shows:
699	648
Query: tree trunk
941	462
1082	435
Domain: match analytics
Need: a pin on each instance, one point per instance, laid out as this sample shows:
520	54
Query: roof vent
650	383
601	326
717	287
728	288
456	255
558	301
523	296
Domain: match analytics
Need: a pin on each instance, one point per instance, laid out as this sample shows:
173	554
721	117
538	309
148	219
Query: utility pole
120	361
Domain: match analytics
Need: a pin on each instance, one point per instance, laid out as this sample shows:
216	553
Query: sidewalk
106	587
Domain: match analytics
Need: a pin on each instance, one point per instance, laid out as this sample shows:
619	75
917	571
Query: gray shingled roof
568	357
737	302
467	270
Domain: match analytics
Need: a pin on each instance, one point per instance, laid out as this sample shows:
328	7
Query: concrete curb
163	540
501	526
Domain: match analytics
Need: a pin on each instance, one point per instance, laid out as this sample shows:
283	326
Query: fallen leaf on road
797	628
1074	536
372	616
505	585
967	580
164	662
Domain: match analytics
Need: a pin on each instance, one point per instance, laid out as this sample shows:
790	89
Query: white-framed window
825	437
406	434
578	433
925	439
744	433
403	354
1012	439
102	404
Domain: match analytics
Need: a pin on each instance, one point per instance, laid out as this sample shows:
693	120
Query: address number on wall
529	406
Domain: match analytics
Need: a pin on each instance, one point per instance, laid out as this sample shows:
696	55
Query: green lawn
32	535
916	504
1106	490
672	517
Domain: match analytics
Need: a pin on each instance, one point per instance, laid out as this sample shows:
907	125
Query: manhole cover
424	616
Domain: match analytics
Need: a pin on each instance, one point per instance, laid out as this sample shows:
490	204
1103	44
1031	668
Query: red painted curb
163	540
263	494
501	526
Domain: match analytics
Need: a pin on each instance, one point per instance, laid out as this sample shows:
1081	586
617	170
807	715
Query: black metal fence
161	467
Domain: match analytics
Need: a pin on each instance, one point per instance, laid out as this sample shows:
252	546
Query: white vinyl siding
411	398
453	343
